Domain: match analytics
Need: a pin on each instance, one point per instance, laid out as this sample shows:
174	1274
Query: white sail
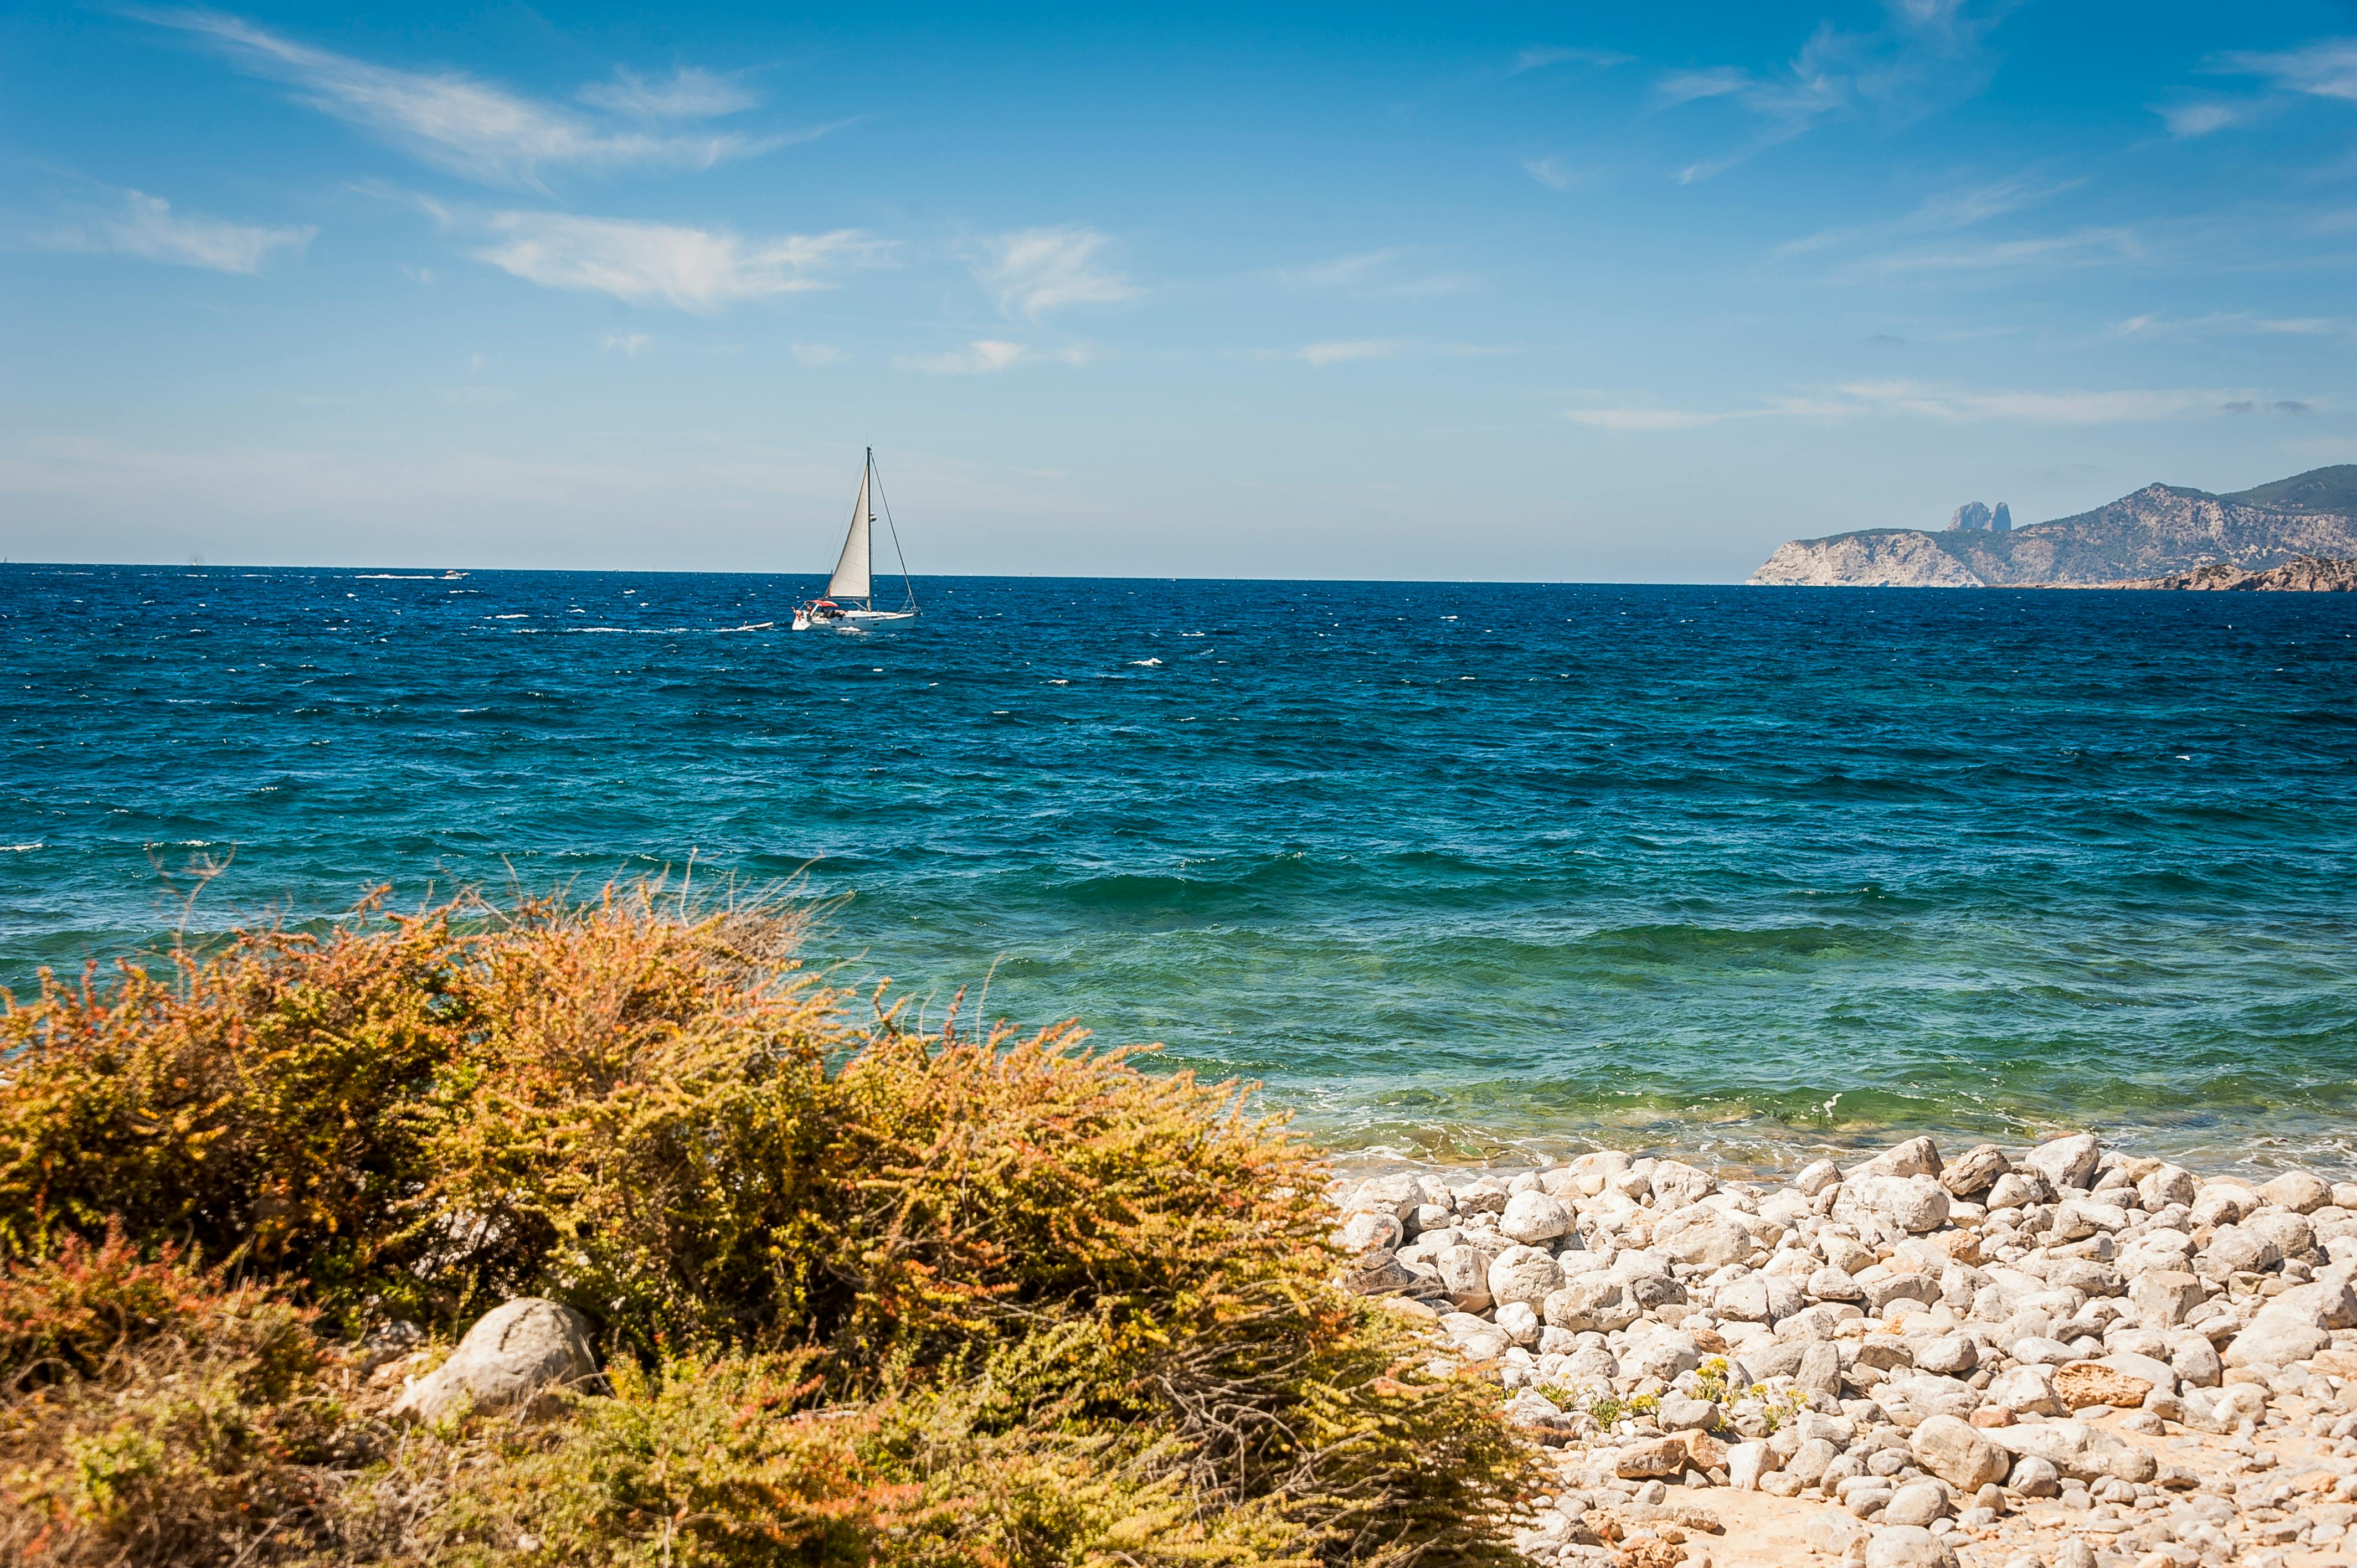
851	571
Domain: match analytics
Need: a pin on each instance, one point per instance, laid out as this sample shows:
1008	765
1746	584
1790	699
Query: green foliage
867	1296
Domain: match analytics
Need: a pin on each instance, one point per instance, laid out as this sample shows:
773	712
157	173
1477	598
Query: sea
1453	871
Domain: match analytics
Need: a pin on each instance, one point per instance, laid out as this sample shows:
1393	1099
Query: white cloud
1376	274
2235	324
2327	69
146	226
627	343
983	356
2199	118
477	129
1688	86
1035	271
1930	57
1557	174
816	356
2081	247
1641	418
1538	57
693	269
688	94
1323	354
1945	211
1919	400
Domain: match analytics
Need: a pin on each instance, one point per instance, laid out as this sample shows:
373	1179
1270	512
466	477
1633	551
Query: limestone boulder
1958	1453
515	1358
1534	1218
2066	1162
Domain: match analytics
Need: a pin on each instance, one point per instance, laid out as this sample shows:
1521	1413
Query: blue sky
1580	292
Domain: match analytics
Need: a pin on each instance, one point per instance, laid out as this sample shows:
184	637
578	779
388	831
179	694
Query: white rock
2195	1361
2026	1390
2083	1216
1915	1204
1677	1184
2302	1192
2065	1162
1916	1156
1591	1304
1524	1274
1746	1462
1908	1546
1396	1196
1532	1218
1518	1323
1465	1275
1918	1502
1816	1176
1911	1398
2276	1338
1975	1171
1367	1231
2224	1409
1955	1451
1703	1235
2037	1350
1477	1339
2166	1185
511	1359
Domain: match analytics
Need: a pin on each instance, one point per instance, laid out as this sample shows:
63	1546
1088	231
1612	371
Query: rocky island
2139	541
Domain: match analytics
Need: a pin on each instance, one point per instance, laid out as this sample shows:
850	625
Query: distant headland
2295	533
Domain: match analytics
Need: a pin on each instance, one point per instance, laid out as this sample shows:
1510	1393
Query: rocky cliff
2306	576
2158	531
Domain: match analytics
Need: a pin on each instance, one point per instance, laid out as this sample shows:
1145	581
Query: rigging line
892	528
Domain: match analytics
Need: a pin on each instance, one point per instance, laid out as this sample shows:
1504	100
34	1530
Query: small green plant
1711	1381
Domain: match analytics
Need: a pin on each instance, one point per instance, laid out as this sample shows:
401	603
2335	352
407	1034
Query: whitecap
1147	663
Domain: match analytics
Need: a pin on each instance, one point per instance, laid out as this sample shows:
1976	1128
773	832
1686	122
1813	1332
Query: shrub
869	1295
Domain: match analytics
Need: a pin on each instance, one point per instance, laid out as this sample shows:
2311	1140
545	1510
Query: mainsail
851	571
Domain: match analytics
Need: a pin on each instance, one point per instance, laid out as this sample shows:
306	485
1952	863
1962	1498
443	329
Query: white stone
1532	1218
1524	1273
2065	1162
2276	1338
1465	1275
511	1359
1746	1462
2302	1192
1590	1303
1677	1184
2026	1390
1918	1502
1518	1323
1908	1546
1476	1338
1816	1176
1955	1451
1701	1235
1366	1232
2224	1409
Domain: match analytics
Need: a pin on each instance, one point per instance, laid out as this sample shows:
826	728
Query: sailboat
850	601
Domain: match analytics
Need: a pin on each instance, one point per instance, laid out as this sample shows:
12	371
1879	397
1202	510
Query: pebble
1938	1354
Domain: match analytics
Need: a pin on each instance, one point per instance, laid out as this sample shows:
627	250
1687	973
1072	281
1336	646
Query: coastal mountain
2157	531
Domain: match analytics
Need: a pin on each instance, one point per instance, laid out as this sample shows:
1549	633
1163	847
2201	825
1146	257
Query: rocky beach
2066	1356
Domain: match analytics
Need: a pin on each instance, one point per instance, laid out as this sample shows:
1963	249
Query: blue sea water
1449	867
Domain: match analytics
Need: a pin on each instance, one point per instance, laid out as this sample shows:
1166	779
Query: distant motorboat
849	601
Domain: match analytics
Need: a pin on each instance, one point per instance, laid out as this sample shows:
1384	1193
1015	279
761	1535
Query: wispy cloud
2231	324
1919	400
474	128
2078	248
1035	271
688	93
1560	174
983	356
2200	117
1538	57
1690	86
1376	274
817	356
1929	57
146	226
693	269
1943	212
2327	67
1323	354
626	344
2285	405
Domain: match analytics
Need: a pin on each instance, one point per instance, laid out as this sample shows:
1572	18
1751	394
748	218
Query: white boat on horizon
849	601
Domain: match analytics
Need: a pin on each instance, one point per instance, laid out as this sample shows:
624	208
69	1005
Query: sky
1579	293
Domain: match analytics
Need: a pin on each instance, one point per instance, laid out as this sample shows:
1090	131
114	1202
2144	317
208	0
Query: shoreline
2061	1354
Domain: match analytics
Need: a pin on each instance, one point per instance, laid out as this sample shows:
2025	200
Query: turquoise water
1448	867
